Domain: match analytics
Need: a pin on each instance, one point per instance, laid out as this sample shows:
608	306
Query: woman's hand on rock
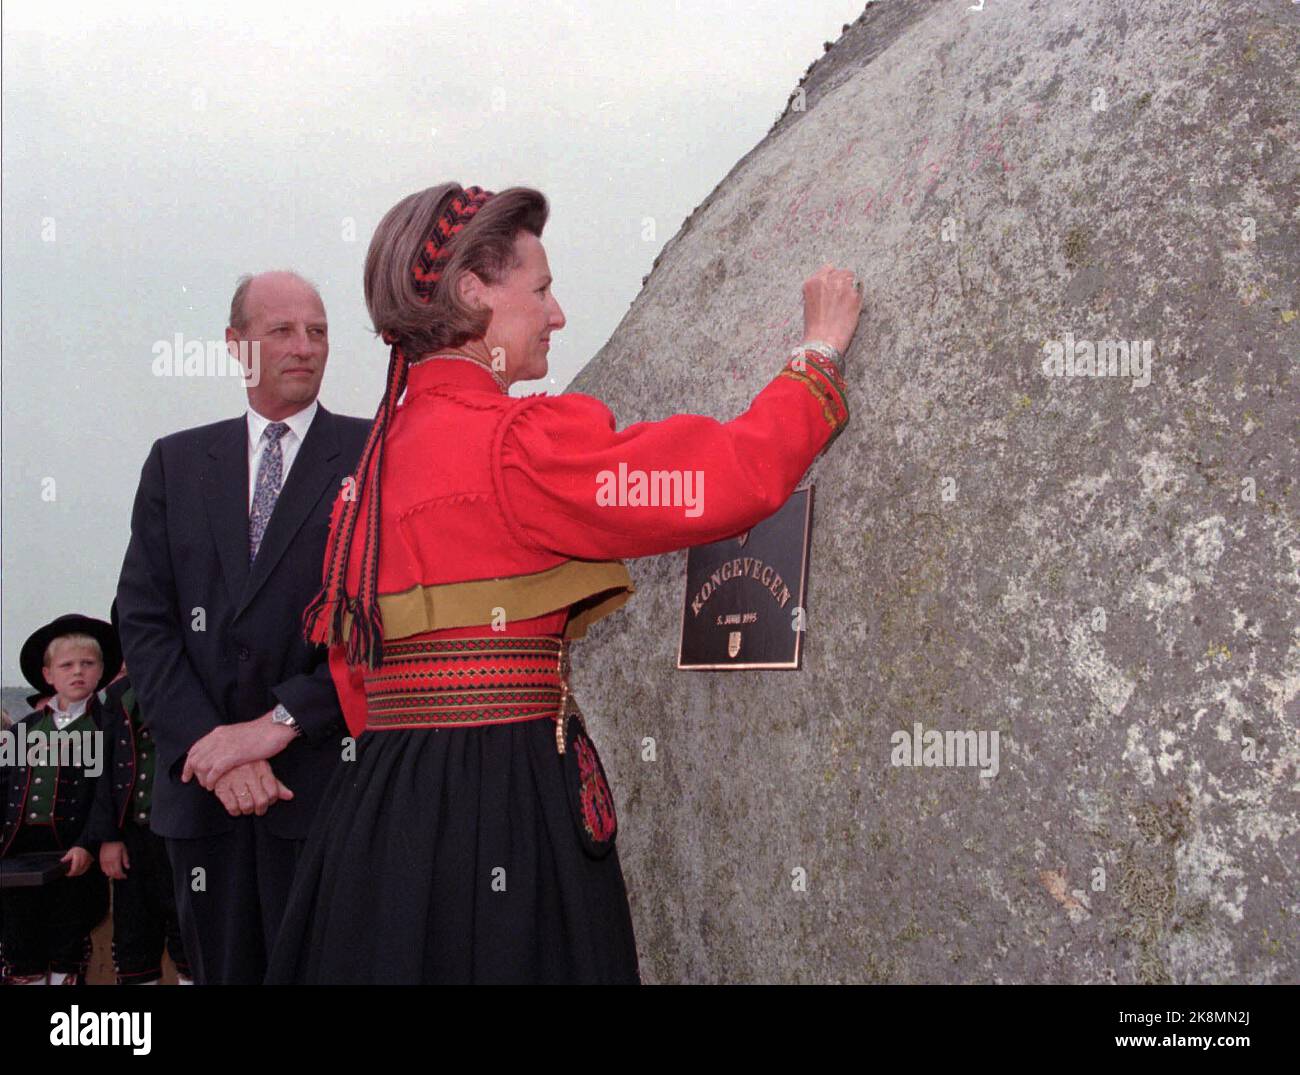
831	307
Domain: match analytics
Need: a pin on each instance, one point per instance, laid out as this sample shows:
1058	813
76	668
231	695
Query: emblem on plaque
733	643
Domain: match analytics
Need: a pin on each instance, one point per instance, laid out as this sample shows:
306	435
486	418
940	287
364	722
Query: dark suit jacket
209	641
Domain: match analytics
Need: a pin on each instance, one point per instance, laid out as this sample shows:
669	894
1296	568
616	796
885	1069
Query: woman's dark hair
485	246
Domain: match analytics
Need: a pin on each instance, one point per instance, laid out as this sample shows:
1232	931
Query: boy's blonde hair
72	639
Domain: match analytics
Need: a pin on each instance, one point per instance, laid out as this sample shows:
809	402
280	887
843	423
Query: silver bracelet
833	354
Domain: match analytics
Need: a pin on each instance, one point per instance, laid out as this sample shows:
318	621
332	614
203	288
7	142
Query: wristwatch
280	715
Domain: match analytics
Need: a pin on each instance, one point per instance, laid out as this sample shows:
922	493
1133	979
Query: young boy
135	858
49	783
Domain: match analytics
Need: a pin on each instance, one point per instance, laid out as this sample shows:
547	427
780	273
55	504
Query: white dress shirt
289	443
64	717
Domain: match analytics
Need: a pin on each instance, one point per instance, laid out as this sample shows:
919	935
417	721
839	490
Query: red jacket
504	515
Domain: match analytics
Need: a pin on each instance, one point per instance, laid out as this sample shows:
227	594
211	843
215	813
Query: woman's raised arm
570	483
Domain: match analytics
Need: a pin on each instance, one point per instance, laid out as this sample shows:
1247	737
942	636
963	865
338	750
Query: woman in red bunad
472	837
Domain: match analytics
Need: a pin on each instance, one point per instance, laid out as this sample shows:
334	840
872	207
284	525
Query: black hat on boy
32	658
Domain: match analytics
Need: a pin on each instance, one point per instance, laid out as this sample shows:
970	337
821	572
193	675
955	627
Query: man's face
73	670
287	323
524	313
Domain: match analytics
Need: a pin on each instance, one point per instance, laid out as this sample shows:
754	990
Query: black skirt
449	855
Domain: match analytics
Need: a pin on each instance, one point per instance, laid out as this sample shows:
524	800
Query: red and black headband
432	259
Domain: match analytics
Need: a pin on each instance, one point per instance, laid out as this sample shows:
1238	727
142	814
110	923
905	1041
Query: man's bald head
239	302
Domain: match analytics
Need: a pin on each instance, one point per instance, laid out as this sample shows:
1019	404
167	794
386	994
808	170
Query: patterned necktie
269	476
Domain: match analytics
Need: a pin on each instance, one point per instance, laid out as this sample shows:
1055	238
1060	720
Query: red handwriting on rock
863	202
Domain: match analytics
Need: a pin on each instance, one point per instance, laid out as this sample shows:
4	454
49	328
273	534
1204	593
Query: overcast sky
152	154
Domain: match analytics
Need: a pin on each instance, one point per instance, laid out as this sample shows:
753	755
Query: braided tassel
365	640
324	620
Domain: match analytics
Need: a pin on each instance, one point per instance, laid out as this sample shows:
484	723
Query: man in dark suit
227	544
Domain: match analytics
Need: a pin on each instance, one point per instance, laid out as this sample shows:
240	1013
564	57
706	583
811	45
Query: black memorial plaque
744	603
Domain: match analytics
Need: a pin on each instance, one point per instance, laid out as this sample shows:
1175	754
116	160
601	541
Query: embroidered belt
470	682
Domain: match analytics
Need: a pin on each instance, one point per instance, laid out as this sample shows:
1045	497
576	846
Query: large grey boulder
1100	569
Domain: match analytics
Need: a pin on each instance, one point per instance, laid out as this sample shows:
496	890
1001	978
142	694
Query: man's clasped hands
233	762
